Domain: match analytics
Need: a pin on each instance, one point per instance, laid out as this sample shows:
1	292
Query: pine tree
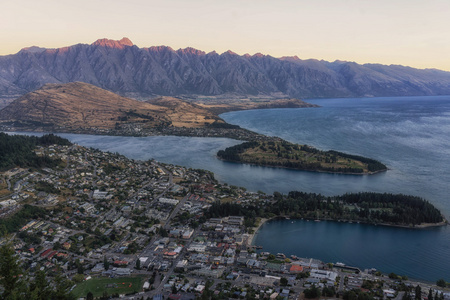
10	272
138	264
418	292
90	296
40	288
406	296
105	263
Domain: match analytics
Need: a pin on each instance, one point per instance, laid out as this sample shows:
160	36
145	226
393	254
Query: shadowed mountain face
123	68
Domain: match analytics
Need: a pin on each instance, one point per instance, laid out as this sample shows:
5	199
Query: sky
406	32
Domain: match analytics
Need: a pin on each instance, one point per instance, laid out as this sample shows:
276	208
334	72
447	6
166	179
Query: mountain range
143	73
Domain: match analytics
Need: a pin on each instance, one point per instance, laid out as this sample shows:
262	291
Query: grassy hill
77	106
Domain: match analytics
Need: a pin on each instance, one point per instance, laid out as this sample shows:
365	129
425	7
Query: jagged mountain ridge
123	68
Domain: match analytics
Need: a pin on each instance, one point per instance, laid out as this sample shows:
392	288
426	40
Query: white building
197	247
99	195
322	274
169	201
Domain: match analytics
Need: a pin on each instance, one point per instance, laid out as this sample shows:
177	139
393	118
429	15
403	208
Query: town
117	227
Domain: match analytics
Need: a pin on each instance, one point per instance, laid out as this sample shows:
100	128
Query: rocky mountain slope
79	106
142	73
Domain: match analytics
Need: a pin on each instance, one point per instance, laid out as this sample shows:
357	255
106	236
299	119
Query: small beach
252	236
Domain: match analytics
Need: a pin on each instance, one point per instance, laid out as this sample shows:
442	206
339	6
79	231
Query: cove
418	254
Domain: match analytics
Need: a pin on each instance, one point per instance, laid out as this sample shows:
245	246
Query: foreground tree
17	285
10	273
418	292
430	294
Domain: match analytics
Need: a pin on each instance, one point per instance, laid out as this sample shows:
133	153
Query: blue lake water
419	254
409	134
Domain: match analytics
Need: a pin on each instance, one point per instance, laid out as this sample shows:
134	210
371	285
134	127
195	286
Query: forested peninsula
371	208
280	153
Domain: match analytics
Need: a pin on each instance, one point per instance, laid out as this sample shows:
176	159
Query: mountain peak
229	52
34	49
190	50
113	43
290	58
259	54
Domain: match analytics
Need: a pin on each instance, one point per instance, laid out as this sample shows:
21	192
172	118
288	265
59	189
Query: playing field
97	286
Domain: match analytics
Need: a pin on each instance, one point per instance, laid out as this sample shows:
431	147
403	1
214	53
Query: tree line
373	208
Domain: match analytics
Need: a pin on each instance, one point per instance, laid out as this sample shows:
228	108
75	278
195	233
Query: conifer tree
418	292
10	272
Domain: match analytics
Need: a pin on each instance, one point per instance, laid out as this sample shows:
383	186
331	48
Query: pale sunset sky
408	32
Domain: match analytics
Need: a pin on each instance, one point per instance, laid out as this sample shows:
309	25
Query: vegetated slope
18	150
301	157
78	105
121	67
182	113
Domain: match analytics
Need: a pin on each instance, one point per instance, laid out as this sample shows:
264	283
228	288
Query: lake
411	135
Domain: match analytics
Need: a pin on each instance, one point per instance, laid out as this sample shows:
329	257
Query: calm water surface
419	254
409	134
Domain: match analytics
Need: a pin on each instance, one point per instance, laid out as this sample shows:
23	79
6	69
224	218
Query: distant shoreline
304	170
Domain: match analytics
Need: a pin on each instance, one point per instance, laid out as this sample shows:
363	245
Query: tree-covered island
280	153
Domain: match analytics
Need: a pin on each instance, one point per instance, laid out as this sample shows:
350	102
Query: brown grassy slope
182	113
76	105
80	105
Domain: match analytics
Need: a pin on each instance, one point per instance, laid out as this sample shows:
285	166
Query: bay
418	254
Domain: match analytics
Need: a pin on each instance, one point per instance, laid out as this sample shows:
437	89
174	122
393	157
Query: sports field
121	285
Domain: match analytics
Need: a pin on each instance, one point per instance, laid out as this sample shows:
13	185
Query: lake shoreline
304	170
